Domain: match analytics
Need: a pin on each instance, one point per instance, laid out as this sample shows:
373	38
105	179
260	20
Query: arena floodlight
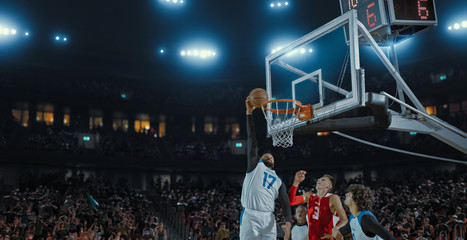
65	39
286	3
57	38
198	53
272	5
162	50
457	26
464	24
13	31
450	28
26	33
278	4
6	31
294	52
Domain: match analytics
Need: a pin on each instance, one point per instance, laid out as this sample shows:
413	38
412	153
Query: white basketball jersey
260	188
299	232
355	226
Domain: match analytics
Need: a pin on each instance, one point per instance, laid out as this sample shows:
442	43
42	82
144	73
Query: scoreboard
370	12
416	12
383	17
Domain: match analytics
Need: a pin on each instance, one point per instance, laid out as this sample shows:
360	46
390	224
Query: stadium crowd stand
54	207
405	204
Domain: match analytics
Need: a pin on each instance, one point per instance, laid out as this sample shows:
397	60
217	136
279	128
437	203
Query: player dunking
260	188
363	223
322	206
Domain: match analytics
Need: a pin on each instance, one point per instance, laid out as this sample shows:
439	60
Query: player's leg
250	227
269	231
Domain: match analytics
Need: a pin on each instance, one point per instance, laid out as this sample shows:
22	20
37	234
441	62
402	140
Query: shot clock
416	12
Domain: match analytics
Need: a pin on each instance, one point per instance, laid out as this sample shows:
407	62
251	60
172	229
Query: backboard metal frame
353	98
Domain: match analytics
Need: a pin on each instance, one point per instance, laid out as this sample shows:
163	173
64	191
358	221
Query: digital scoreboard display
384	17
417	12
370	12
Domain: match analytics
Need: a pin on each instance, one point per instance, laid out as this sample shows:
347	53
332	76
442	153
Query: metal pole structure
395	62
390	67
448	126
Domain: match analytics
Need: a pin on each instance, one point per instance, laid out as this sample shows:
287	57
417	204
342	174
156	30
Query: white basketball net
280	125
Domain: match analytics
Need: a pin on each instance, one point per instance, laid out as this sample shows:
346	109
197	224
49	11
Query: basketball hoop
281	116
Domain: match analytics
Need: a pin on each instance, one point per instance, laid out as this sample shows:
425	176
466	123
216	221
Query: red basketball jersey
320	217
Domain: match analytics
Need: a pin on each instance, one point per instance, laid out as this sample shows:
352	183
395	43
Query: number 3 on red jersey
316	213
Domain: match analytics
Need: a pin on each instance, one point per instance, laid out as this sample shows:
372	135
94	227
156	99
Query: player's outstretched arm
336	207
252	145
296	200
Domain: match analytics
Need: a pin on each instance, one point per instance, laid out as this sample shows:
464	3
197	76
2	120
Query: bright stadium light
464	24
198	53
450	28
65	39
172	2
13	31
26	33
279	4
57	38
457	26
294	52
6	31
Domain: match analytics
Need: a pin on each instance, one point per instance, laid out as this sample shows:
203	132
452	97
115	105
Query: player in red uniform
322	206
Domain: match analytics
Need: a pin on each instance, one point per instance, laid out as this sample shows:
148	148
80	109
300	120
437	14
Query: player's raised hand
249	106
299	177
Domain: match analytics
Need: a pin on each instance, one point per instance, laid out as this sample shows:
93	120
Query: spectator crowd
54	208
409	206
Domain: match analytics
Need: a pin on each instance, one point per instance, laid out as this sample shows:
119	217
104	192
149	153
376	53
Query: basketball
257	97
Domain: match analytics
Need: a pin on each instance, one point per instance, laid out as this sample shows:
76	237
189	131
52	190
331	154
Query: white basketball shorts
255	225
